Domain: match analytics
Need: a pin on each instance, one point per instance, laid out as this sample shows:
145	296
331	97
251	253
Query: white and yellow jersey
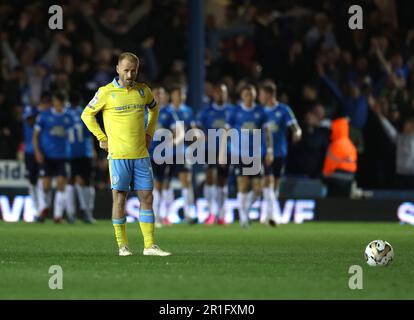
123	110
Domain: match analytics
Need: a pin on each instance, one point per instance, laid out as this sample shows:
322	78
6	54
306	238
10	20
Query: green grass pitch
309	261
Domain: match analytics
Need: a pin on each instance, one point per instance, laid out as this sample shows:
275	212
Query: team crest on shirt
278	114
115	179
257	115
141	92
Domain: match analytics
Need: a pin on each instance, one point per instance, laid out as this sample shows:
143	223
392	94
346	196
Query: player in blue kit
180	119
80	149
213	116
32	168
280	120
50	146
245	118
162	193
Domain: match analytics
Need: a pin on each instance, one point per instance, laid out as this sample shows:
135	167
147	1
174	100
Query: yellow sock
120	232
146	222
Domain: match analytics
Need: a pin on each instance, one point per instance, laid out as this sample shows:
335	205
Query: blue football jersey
246	119
280	118
80	142
183	113
54	129
213	116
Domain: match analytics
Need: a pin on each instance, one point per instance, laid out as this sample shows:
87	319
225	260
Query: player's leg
255	192
85	189
70	193
158	172
243	183
269	196
119	221
210	193
271	188
79	184
156	193
45	189
32	174
167	195
60	202
143	185
222	192
120	172
184	175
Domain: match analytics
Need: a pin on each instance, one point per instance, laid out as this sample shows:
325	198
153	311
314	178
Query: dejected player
123	104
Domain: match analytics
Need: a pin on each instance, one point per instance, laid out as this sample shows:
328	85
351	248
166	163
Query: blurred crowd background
320	66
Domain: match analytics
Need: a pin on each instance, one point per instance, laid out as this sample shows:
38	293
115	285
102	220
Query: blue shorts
131	174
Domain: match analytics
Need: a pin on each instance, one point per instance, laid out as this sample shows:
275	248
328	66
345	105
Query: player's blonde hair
129	56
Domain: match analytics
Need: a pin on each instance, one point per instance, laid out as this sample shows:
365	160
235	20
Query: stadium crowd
322	69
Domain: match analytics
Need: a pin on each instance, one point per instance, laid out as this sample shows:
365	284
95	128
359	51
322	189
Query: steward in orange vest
341	160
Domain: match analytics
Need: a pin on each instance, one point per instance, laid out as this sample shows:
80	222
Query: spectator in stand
405	149
307	156
341	160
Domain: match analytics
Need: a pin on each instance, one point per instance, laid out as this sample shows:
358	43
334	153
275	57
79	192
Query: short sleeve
98	101
290	118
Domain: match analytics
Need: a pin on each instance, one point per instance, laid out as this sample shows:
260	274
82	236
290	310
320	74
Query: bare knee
46	184
145	199
243	184
185	179
210	177
119	199
61	183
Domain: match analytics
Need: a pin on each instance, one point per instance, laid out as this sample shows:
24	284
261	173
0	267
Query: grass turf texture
308	261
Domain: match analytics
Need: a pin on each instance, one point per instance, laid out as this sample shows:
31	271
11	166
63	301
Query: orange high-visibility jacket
342	154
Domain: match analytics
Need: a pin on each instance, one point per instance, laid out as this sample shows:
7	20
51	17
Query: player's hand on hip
104	145
39	157
148	141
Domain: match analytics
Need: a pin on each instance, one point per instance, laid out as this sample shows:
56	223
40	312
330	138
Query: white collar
271	108
217	107
243	106
53	110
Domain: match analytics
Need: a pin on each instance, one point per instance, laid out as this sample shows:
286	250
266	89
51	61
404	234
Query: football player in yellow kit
123	103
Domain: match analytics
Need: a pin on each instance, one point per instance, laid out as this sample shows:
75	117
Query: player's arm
294	126
153	112
88	117
296	132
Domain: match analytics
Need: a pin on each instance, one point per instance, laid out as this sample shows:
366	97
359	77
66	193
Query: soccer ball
379	253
